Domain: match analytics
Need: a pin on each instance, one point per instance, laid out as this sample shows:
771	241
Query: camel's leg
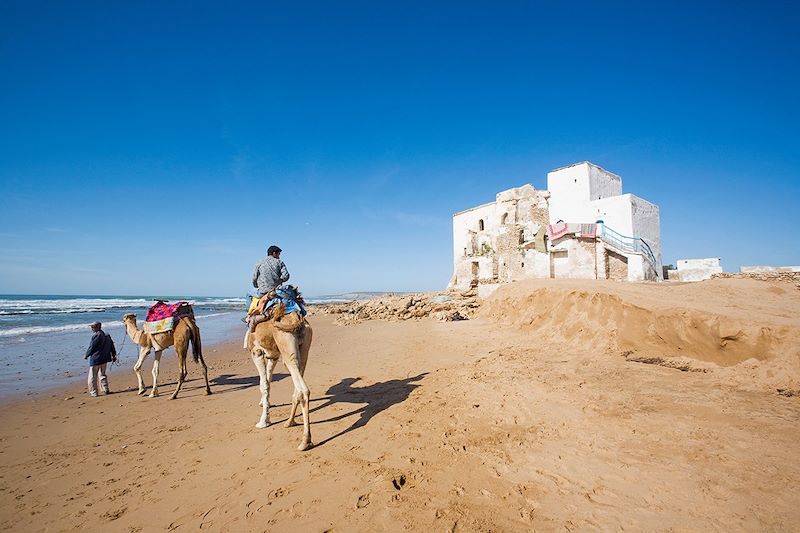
295	402
182	366
270	368
261	366
143	352
156	361
289	346
301	390
305	345
205	374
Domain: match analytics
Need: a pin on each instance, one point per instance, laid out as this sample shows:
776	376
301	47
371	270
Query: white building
610	235
695	269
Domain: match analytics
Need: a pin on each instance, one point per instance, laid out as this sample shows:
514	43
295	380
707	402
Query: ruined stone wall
616	266
790	277
520	220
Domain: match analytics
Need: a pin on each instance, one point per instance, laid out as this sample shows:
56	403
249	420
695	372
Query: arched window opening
480	225
504	218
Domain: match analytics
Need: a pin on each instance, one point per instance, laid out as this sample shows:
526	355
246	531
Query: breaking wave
36	330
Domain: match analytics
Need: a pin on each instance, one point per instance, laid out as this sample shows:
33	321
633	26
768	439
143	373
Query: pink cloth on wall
554	231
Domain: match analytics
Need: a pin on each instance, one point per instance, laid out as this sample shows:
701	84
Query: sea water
43	339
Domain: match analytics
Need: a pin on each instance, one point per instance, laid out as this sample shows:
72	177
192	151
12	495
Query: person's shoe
106	392
93	394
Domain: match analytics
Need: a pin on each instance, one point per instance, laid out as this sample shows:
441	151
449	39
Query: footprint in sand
363	501
113	515
277	493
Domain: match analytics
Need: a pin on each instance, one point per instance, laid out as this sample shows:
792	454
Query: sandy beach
561	405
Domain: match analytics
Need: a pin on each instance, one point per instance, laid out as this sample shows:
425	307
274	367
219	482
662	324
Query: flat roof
586	163
473	208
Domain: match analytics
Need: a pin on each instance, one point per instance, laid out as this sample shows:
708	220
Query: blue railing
629	244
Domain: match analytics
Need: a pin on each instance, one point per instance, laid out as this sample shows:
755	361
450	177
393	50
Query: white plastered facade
497	242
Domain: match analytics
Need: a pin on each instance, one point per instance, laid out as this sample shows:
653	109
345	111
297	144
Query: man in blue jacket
101	352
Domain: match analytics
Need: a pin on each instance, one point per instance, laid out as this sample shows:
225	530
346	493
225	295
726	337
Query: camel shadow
239	383
167	386
377	397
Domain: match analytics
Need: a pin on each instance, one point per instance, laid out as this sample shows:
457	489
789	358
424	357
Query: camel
185	330
269	342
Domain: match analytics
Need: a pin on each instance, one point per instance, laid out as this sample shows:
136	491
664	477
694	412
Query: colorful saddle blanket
289	297
163	316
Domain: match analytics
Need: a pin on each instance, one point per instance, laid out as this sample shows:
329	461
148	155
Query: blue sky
161	149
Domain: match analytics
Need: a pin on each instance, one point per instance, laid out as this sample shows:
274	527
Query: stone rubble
790	277
442	306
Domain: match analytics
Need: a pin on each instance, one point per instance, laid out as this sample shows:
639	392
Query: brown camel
287	339
184	331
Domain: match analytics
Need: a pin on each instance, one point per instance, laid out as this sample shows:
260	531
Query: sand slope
725	322
501	423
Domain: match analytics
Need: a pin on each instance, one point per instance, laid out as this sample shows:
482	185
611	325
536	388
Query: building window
504	218
480	225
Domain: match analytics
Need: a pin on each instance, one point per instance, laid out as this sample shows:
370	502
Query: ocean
43	338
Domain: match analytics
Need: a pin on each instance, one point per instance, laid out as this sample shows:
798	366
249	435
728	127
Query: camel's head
129	317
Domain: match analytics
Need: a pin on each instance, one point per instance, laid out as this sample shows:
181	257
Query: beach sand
563	405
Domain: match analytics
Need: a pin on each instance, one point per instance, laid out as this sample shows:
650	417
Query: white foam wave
94	305
327	300
33	330
77	304
213	314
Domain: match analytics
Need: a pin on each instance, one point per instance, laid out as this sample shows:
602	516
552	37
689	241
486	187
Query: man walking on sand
101	352
270	272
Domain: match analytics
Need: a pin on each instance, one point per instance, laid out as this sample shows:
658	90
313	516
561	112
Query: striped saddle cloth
163	316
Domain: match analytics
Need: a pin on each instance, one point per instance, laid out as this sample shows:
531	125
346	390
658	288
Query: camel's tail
197	350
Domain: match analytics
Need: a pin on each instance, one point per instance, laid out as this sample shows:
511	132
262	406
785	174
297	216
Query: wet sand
506	422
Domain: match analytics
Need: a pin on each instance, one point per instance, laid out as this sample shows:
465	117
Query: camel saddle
284	306
163	316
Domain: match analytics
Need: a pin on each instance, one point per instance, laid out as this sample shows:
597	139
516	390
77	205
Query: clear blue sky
161	149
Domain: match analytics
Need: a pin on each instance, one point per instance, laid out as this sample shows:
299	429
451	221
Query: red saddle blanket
162	310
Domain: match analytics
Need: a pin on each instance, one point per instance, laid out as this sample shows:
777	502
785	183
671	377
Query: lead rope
119	353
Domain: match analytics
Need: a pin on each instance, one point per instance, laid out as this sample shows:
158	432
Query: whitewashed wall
572	190
465	228
615	212
581	259
465	221
696	269
569	193
580	193
647	225
603	183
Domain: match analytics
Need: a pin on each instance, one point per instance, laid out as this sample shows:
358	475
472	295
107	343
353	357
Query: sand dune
537	415
724	322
